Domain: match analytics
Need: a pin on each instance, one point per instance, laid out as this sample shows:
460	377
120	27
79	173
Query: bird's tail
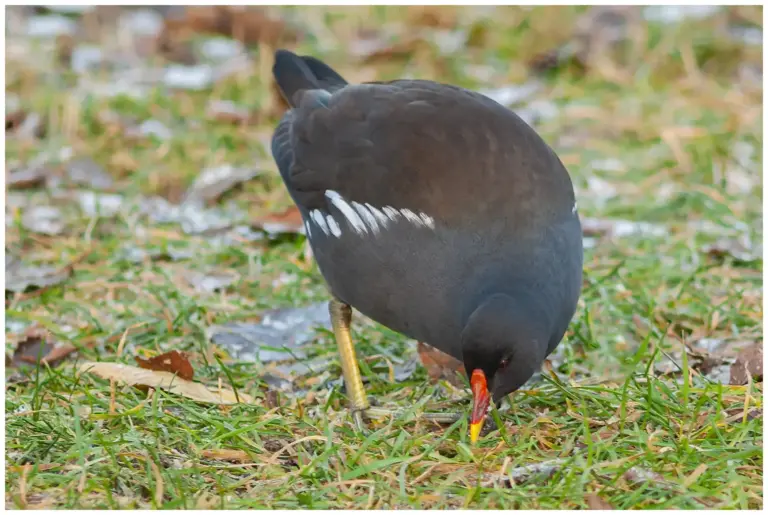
295	73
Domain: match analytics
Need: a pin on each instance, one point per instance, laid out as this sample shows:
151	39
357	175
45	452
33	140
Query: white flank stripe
411	216
333	226
319	219
308	229
575	207
367	216
379	214
352	217
428	220
391	212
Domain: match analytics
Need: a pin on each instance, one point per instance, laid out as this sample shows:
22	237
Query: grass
665	106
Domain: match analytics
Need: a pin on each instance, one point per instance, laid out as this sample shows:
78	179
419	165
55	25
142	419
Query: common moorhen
436	212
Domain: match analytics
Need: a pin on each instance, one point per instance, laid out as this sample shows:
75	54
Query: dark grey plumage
484	259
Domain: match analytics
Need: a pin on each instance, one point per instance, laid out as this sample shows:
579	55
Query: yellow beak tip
474	431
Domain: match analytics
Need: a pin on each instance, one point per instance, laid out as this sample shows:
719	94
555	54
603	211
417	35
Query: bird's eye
504	362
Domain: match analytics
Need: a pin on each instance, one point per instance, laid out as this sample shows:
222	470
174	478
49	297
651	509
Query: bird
436	212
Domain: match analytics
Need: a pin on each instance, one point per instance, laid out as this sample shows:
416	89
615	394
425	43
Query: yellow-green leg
341	318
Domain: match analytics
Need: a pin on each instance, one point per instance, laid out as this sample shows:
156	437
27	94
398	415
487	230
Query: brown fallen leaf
637	475
25	125
740	249
211	281
596	33
20	277
749	362
437	16
37	345
174	362
272	399
31	349
213	182
136	376
229	112
87	172
595	502
233	455
13	119
28	177
440	365
380	48
247	24
285	222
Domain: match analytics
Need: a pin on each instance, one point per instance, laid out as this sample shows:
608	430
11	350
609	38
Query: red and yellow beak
481	401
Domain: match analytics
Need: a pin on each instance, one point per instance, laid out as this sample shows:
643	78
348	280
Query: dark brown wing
412	144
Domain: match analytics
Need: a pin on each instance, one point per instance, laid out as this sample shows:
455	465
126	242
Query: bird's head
504	342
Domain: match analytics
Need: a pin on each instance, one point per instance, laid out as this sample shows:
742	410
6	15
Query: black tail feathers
295	73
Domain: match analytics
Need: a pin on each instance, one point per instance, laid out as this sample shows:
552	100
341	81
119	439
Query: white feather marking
575	207
411	216
367	216
379	214
352	217
427	220
319	219
308	229
333	226
391	212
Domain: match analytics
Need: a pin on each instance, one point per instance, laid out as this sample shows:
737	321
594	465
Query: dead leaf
620	228
272	399
234	455
229	112
279	336
595	502
87	172
14	118
32	348
37	346
46	220
749	362
193	218
436	16
637	475
697	472
288	221
20	277
741	249
174	362
440	365
28	177
24	124
136	376
211	281
378	48
159	486
104	204
596	32
213	182
149	129
247	24
535	471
